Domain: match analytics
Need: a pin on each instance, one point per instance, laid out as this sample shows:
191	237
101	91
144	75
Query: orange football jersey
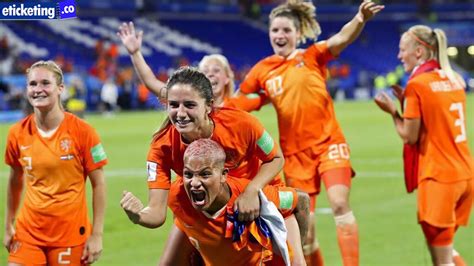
245	142
55	169
297	88
441	106
206	232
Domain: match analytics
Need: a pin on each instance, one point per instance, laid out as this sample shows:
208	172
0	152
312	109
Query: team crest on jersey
65	145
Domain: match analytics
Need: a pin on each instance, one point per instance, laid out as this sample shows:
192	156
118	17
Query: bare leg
295	240
178	249
442	255
347	230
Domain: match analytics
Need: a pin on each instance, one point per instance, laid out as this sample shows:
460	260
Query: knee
339	206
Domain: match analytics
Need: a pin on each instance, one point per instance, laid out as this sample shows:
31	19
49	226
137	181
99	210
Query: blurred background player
202	206
434	120
312	141
251	154
216	67
51	152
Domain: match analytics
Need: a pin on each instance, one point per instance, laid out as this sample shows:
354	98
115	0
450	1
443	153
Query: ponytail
443	58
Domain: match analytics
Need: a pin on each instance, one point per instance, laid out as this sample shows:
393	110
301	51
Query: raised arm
151	216
14	190
93	248
133	42
349	33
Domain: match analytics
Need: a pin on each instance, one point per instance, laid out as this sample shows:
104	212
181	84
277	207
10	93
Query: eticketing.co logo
34	10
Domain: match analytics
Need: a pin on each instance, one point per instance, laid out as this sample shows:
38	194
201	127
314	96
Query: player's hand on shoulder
131	39
131	205
248	204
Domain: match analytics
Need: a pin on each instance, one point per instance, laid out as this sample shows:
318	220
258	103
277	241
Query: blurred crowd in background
100	77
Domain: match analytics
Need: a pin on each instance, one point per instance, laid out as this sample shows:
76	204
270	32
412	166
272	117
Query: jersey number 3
460	122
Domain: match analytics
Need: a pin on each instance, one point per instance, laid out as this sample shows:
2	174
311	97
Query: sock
458	260
348	238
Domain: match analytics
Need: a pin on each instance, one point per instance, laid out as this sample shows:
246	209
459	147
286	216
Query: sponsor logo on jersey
22	147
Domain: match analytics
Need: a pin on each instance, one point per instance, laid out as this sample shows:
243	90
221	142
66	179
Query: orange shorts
305	169
445	204
27	254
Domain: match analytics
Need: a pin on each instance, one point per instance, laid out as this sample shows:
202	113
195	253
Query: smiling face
283	36
43	90
204	182
409	53
187	110
215	71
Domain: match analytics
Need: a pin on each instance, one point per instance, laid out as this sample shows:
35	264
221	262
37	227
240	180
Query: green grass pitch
389	233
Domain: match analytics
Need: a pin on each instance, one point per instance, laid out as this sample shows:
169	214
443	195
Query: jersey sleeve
158	164
251	83
263	143
94	153
412	102
248	102
319	52
284	198
12	154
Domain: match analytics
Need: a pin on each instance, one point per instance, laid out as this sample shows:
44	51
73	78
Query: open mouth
38	97
198	197
182	123
280	44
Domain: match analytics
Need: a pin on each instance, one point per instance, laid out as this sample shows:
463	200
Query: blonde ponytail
436	45
443	58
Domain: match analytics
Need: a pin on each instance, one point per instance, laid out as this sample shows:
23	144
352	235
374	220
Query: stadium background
181	32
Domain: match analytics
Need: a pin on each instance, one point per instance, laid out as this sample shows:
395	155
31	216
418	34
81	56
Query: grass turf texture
389	233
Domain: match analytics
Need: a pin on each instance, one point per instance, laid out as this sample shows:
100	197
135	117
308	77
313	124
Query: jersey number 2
460	122
61	255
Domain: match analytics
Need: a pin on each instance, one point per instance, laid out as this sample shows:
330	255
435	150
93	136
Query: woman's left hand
92	249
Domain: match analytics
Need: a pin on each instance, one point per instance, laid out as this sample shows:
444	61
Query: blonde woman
51	152
434	121
313	144
216	67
